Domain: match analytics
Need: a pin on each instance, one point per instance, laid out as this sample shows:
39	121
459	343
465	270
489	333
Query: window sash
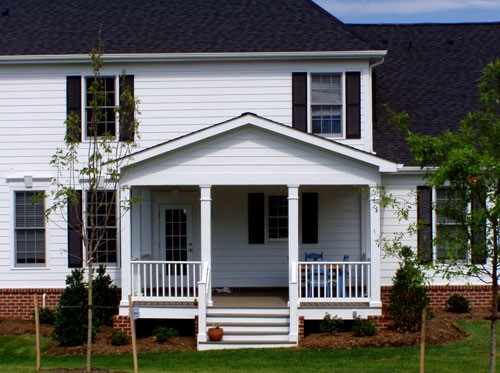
102	212
105	114
278	217
326	103
29	229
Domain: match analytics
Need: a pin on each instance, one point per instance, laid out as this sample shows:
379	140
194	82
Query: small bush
457	304
163	334
363	327
409	295
119	338
46	316
331	324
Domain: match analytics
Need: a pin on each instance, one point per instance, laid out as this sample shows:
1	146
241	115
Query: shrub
331	324
457	304
119	338
46	316
103	298
363	327
163	334
409	295
71	315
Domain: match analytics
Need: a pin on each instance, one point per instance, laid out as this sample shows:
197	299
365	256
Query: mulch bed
442	329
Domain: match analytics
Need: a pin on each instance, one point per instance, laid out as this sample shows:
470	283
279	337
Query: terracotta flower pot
215	334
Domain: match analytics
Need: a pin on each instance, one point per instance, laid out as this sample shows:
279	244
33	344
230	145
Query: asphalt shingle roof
430	72
41	27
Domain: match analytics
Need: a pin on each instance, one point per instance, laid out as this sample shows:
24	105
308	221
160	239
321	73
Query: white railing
165	280
334	281
205	298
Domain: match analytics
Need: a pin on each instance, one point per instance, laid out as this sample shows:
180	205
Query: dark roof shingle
41	27
430	72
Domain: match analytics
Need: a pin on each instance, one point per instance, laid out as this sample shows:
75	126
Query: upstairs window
326	104
101	95
30	229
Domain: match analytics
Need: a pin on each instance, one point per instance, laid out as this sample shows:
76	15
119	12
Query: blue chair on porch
318	277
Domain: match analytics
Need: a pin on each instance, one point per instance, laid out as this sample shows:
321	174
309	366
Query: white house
262	135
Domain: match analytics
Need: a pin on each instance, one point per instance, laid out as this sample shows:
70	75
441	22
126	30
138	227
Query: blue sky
413	11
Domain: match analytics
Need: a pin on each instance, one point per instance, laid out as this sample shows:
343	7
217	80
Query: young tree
466	165
91	169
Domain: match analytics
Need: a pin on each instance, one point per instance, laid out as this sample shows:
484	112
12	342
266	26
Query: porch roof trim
266	124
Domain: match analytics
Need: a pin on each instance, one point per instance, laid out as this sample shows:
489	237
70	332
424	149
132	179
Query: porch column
206	232
373	249
124	195
293	258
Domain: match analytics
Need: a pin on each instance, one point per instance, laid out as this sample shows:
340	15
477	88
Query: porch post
374	250
125	246
293	258
206	231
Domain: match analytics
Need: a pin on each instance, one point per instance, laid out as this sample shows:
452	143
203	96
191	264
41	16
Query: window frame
342	95
278	217
41	264
86	107
446	223
107	227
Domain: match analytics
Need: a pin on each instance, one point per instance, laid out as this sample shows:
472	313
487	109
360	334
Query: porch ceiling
250	150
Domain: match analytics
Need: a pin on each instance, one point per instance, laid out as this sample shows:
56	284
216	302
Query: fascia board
184	57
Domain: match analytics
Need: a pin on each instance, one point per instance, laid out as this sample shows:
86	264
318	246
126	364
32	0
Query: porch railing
334	281
167	280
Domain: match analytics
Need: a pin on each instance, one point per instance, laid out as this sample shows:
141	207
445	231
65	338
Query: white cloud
345	7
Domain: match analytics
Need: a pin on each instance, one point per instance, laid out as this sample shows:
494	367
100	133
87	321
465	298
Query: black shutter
353	105
424	219
256	215
74	105
478	235
126	120
299	101
309	217
75	247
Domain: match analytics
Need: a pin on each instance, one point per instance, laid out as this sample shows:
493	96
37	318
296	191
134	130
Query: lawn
17	354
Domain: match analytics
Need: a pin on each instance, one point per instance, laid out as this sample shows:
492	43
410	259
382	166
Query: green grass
17	354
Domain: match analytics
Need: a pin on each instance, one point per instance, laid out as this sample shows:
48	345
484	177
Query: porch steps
250	328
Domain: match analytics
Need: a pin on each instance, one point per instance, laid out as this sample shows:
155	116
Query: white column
206	231
293	258
374	250
126	250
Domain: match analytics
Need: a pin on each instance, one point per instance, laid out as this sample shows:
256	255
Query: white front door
176	223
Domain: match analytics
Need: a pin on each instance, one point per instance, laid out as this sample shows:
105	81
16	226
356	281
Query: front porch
239	205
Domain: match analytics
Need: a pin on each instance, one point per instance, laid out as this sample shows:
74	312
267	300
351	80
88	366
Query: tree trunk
89	323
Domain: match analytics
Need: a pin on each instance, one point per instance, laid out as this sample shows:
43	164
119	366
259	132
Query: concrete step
221	345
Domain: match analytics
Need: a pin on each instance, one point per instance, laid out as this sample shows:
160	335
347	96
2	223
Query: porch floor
254	299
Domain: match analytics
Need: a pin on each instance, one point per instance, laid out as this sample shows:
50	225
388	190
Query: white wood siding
176	99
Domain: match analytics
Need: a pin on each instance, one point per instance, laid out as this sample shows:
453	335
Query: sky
413	11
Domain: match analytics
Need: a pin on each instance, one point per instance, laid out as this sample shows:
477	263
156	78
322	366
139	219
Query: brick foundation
301	327
479	296
122	323
381	322
18	303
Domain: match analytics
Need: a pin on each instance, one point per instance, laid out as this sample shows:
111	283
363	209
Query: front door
176	242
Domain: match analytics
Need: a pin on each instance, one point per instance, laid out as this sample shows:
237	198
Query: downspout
380	62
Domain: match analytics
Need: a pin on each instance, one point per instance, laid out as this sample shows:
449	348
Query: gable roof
53	27
430	71
251	119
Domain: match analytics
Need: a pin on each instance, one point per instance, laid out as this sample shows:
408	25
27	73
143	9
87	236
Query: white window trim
30	266
267	216
342	135
84	125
